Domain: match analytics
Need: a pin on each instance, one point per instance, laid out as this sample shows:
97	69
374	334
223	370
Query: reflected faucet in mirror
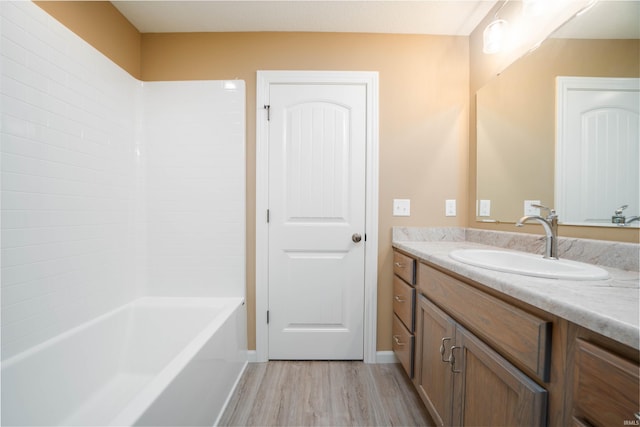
550	225
621	220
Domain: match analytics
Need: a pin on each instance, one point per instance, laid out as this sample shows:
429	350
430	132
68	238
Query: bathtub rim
16	358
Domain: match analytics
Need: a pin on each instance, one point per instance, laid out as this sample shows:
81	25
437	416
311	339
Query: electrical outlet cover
485	208
450	207
529	209
401	207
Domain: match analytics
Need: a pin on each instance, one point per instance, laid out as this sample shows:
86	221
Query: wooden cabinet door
605	388
490	391
433	377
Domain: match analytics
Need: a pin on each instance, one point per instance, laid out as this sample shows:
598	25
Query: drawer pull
398	298
443	349
399	265
452	361
396	338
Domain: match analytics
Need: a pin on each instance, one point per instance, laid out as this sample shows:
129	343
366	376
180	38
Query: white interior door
317	157
598	155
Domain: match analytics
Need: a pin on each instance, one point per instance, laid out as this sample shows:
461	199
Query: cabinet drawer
510	330
404	297
605	387
405	267
403	343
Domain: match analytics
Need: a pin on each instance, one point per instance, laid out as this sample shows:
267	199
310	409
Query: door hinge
267	317
267	216
268	108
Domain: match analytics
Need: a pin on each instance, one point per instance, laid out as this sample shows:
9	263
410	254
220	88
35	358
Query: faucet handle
552	212
620	209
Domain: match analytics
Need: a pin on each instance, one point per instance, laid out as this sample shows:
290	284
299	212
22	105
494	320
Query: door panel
317	144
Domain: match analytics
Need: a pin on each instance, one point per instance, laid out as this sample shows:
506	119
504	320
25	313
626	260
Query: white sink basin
529	264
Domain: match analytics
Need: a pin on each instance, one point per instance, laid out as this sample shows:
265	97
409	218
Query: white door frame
370	80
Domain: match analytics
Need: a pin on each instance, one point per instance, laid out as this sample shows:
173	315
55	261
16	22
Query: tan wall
423	117
423	109
603	58
103	26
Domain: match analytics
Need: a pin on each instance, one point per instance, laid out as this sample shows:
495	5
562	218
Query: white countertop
609	307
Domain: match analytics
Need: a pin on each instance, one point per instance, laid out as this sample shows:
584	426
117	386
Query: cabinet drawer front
510	330
404	302
605	387
405	267
403	343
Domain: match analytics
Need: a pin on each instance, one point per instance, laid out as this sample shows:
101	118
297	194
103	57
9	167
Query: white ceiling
443	17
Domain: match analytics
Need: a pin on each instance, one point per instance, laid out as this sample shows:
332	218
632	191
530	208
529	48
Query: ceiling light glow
494	35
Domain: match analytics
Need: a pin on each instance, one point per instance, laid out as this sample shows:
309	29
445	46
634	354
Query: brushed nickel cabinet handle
443	349
399	265
398	298
452	361
396	338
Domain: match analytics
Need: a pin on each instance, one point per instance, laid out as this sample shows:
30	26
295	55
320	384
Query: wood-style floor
324	393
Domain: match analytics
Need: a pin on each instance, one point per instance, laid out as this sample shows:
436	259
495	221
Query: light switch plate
485	208
401	207
450	207
530	210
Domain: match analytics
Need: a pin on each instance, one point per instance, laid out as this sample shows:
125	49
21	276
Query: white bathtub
155	361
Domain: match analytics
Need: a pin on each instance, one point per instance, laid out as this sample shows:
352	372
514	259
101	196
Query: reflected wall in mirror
516	111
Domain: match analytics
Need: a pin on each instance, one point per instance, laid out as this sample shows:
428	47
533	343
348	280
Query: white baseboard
386	357
381	357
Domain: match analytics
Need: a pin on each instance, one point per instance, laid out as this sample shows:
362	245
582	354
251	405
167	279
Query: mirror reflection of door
597	149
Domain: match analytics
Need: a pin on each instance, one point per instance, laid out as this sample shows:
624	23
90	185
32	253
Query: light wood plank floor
322	393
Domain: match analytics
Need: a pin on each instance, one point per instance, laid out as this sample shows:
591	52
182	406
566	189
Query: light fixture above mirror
494	35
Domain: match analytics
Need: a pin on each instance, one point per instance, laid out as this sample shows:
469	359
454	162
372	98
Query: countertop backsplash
620	255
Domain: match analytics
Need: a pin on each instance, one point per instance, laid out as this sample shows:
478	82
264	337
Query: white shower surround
112	189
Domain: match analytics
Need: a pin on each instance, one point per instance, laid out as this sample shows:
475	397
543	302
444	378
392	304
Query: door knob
356	237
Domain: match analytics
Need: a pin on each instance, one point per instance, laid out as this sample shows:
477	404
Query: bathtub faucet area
550	225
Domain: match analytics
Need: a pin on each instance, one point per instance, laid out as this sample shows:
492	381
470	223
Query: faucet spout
550	225
631	219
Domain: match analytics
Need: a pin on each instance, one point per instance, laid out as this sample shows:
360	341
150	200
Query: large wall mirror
518	127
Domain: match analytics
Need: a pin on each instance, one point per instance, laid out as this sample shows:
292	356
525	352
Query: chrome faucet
631	219
621	220
550	225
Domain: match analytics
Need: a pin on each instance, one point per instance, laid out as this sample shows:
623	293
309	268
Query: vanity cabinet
404	297
606	387
486	357
463	381
460	377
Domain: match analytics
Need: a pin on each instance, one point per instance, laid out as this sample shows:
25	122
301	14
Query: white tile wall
102	201
194	149
68	121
